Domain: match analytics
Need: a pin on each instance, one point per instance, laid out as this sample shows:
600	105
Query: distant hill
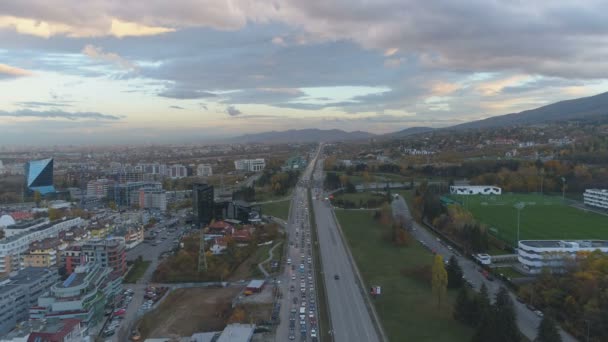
583	108
409	131
301	136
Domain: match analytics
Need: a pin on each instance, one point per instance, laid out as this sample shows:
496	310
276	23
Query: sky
155	71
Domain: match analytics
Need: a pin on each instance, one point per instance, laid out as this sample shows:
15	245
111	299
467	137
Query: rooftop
237	333
565	243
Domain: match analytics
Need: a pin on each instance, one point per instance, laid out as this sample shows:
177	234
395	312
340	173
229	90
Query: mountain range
591	107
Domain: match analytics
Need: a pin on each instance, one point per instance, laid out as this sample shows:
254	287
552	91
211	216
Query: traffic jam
303	313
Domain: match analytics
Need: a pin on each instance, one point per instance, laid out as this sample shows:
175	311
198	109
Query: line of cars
303	313
117	314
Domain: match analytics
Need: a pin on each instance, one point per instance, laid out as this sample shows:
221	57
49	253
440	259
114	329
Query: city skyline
105	72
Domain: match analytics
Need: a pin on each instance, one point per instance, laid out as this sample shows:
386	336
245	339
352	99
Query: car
337	277
292	336
539	313
313	333
293	277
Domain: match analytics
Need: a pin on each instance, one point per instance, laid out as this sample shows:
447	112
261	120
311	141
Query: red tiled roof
220	225
68	326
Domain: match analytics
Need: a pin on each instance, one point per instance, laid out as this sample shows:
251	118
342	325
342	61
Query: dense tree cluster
579	298
278	182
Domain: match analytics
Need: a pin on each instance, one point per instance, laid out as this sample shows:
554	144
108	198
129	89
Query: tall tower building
202	203
39	176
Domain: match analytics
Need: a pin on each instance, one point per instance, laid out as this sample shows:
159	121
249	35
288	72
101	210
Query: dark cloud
176	107
232	111
37	104
58	114
185	94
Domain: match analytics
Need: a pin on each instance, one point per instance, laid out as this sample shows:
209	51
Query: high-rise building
202	203
151	198
99	188
204	170
39	176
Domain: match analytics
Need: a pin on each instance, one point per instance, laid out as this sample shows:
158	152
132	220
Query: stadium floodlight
519	206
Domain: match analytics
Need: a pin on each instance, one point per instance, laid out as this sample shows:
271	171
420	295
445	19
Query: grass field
407	308
543	217
359	196
137	271
277	209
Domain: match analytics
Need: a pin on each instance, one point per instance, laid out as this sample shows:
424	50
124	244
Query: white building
204	170
536	255
596	198
150	198
475	190
250	165
99	188
177	171
14	247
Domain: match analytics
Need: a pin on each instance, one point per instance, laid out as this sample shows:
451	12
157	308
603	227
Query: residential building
554	255
250	165
83	295
202	204
109	253
39	176
127	194
153	198
66	330
43	253
596	198
177	171
133	235
14	247
220	228
204	170
475	190
20	292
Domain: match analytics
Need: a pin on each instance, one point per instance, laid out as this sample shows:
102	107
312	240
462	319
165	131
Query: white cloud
7	71
97	53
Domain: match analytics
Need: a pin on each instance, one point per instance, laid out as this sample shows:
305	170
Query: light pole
519	206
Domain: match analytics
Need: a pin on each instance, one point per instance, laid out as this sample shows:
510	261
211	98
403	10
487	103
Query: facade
294	163
202	203
20	292
127	194
475	190
204	170
43	253
151	198
109	253
67	330
177	171
536	255
596	198
250	165
99	188
39	176
13	248
83	295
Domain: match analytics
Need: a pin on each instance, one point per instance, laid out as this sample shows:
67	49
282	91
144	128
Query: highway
350	318
527	320
299	303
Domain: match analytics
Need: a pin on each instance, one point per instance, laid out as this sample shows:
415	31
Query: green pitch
543	217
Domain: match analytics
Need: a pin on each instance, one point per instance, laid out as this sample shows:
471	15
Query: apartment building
597	198
536	255
204	170
250	165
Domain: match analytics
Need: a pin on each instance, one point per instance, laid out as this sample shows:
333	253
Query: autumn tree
237	316
37	197
439	280
54	214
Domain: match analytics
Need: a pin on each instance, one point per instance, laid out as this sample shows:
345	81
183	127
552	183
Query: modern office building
99	188
39	176
152	198
475	190
597	198
202	204
20	292
13	248
83	295
204	170
127	194
250	165
177	171
555	255
237	210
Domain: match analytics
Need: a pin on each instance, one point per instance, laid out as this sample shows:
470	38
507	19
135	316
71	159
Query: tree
454	273
54	214
504	312
547	330
439	280
463	307
37	197
238	316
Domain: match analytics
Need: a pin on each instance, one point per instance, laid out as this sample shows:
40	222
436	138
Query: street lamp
519	206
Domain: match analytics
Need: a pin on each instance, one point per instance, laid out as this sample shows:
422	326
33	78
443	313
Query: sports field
543	217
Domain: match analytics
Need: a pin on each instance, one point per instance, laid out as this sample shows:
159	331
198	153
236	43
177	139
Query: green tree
463	307
454	273
547	330
504	312
439	280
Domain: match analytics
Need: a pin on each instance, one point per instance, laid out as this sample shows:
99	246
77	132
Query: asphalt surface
350	318
297	281
527	320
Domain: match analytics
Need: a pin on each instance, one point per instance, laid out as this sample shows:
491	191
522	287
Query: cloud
7	71
57	114
203	106
97	53
122	29
232	111
278	41
185	94
393	62
176	107
391	51
37	104
440	88
494	87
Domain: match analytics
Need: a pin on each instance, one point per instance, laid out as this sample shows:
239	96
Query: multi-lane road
351	319
527	320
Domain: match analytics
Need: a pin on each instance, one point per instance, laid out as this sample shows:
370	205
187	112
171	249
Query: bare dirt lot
186	311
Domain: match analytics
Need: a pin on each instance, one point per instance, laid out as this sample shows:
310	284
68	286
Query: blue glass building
39	176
